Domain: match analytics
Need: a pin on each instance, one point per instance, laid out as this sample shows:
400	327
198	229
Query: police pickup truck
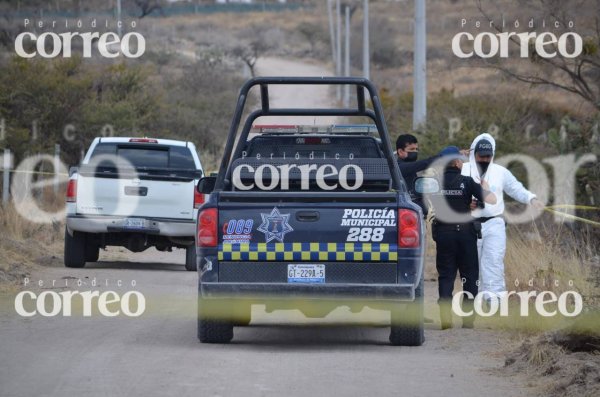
133	192
309	218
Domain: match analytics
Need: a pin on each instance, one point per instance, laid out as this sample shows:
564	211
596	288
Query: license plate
134	223
306	273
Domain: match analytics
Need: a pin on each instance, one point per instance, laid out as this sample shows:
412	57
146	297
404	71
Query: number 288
365	234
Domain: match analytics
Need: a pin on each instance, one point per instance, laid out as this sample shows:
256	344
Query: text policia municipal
371	217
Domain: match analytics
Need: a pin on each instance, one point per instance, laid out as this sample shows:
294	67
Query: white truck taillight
408	229
207	228
198	199
143	140
72	191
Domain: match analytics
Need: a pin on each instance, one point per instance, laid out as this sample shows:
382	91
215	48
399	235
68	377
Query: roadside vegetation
25	245
70	102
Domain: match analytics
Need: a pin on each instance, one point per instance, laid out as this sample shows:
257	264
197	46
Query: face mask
411	156
482	166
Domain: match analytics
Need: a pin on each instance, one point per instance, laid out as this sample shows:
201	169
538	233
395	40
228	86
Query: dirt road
294	96
158	353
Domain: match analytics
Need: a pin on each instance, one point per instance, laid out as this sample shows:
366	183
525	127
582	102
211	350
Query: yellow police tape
62	173
38	172
553	209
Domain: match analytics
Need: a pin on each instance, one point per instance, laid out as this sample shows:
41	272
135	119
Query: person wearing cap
455	234
492	245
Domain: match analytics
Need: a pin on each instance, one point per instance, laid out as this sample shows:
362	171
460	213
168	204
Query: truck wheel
190	258
408	327
213	328
92	252
75	252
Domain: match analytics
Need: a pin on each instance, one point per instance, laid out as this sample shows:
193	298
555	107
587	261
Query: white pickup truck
136	193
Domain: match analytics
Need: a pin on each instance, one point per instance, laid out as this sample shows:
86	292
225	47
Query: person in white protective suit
492	246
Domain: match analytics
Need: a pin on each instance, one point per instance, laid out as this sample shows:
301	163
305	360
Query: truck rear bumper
109	224
280	291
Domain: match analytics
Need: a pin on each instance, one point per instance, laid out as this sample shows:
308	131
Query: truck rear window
319	147
311	162
148	155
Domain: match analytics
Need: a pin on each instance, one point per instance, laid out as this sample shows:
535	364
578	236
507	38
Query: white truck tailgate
130	197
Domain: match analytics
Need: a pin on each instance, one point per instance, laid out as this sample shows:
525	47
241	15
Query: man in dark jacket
407	148
455	233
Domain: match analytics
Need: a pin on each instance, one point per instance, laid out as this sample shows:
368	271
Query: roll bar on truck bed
361	85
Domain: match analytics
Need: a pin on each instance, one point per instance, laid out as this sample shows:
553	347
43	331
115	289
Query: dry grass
543	261
553	369
541	256
25	244
14	226
542	353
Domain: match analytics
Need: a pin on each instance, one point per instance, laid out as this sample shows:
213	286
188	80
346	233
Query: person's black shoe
446	319
445	316
468	321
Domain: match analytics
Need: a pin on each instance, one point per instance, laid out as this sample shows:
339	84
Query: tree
39	99
148	6
253	43
248	54
579	75
313	33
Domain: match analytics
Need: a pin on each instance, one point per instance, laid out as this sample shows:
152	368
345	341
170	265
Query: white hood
499	179
474	170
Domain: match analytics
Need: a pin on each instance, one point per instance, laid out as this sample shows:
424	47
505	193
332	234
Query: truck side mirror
206	185
426	185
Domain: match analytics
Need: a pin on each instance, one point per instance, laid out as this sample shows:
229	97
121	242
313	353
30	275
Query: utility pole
56	167
119	30
6	176
347	58
420	67
338	65
331	29
366	52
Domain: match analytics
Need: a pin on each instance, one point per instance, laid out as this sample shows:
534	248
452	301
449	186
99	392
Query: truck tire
92	252
407	328
212	328
190	258
75	252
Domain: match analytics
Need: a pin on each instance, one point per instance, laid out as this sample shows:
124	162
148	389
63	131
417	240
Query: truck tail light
198	199
207	228
143	140
408	229
72	191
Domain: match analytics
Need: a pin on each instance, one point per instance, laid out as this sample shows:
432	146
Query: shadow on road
307	337
136	266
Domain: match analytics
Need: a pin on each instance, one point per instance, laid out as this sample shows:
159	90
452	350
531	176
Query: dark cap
484	148
452	152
